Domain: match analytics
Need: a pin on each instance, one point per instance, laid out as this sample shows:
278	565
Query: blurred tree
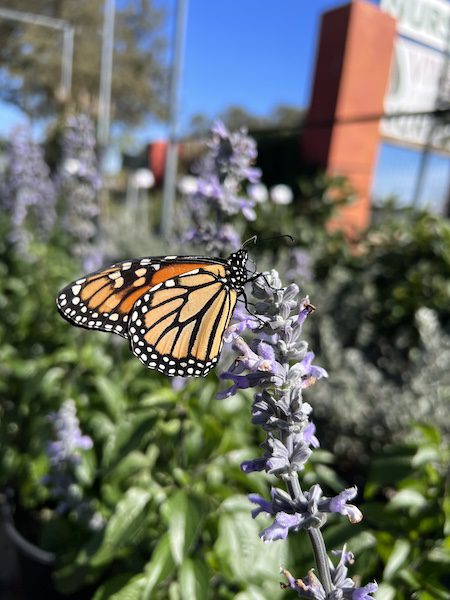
30	58
286	115
235	117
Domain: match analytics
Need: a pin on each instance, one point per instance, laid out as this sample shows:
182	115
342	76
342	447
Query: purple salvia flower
64	454
277	362
27	193
217	193
79	182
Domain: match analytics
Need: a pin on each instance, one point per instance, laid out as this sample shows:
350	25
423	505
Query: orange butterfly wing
103	300
177	326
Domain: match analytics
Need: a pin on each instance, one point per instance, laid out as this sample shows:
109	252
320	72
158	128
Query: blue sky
257	54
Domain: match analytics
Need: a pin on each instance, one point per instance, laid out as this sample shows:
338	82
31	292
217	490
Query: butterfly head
237	265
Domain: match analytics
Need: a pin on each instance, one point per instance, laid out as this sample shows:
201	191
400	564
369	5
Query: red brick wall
351	78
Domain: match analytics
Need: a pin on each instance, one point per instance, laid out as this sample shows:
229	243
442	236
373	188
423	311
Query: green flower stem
321	558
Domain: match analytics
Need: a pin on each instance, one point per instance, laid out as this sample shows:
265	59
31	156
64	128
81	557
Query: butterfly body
172	309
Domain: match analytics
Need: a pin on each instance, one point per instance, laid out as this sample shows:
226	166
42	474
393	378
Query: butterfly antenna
277	237
252	239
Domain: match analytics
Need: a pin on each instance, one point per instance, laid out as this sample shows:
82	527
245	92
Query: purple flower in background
79	182
217	193
27	193
64	453
69	439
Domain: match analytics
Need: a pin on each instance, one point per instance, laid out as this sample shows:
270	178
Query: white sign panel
427	21
417	76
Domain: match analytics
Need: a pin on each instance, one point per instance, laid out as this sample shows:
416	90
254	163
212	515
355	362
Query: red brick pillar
351	78
157	159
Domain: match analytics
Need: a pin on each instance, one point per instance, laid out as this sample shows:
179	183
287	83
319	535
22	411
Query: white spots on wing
137	350
98	323
114	317
134	316
154	356
91	323
119	328
114	275
95	315
152	365
108	326
190	370
132	329
80	281
156	267
144	356
144	309
154	288
135	338
169	257
63	302
146	261
165	358
146	297
126	266
125	319
76	289
76	300
78	318
83	309
62	296
138	322
169	283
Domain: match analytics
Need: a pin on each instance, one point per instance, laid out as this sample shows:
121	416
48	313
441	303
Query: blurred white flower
188	185
143	178
72	166
281	194
258	192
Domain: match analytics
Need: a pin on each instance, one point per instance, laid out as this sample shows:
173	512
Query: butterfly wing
103	300
177	326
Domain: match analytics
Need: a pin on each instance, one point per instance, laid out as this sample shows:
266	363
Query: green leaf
123	525
160	567
194	580
408	499
242	554
397	559
121	587
385	592
184	517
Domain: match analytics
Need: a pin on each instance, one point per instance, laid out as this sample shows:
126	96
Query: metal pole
170	172
67	60
104	96
52	23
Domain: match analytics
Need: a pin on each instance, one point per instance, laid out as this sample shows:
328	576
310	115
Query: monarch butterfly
172	309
